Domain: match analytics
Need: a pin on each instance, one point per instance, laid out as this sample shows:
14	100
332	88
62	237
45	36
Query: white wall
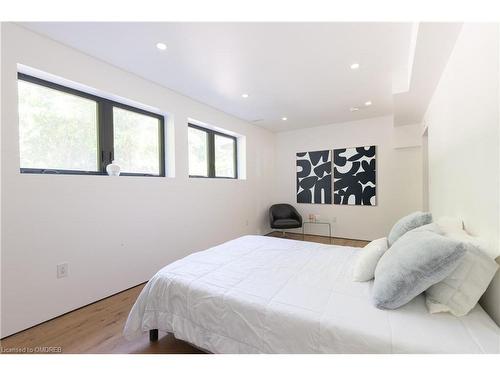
463	141
114	232
399	185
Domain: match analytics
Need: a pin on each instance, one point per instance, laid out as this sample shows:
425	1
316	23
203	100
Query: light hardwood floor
97	328
320	239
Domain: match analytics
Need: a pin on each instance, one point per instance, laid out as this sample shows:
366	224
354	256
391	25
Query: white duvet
260	294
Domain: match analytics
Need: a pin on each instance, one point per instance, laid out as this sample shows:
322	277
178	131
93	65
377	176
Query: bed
259	294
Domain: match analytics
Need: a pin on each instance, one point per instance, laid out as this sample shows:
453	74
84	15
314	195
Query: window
136	138
224	154
63	130
198	152
211	153
57	129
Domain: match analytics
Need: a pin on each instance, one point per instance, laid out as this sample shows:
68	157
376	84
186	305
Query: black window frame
211	152
105	130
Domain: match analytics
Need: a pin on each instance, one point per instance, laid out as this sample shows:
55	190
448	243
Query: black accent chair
284	216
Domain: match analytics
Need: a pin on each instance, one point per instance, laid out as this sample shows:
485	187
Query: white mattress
267	295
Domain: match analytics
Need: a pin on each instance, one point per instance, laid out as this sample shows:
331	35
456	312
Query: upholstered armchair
284	216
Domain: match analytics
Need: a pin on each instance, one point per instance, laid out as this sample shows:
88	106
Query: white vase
113	169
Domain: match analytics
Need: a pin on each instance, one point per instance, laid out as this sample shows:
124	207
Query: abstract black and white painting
354	176
314	177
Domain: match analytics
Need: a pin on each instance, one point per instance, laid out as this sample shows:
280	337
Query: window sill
201	180
53	172
214	178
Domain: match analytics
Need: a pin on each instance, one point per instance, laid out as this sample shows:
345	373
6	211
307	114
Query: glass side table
318	222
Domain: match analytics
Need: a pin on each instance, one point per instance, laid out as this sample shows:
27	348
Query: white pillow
461	290
435	307
451	225
364	269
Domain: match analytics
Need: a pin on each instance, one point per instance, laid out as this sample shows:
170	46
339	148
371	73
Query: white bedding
260	294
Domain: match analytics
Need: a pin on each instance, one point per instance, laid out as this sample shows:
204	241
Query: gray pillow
407	223
418	260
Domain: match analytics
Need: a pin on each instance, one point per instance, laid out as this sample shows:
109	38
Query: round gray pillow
407	223
416	261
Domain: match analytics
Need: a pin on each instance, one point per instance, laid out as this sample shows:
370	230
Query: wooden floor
97	328
320	239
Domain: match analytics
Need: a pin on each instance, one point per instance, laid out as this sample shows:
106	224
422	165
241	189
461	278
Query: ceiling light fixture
161	46
355	66
244	96
368	103
354	109
284	118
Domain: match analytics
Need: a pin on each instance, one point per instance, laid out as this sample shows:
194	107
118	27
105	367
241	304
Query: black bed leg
153	335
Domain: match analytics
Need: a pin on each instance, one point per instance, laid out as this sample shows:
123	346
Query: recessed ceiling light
284	118
244	96
161	46
368	103
354	109
354	66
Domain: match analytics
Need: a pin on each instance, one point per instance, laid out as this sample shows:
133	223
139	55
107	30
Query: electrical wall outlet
334	219
62	270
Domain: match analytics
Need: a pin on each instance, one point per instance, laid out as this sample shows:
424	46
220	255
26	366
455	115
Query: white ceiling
298	70
433	46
